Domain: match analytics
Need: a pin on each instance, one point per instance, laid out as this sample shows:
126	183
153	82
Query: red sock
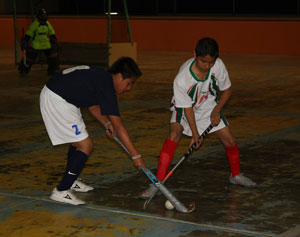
233	155
165	158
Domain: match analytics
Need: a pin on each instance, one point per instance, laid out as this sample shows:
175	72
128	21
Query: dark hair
207	46
126	66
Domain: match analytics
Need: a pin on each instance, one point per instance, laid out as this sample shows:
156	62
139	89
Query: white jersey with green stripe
189	91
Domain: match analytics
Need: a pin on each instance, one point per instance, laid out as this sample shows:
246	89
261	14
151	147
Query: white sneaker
242	180
79	186
65	196
149	192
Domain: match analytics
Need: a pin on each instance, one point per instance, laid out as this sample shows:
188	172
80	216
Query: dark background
157	7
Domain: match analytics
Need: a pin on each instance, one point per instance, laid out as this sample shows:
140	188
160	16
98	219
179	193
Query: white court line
18	205
214	227
227	229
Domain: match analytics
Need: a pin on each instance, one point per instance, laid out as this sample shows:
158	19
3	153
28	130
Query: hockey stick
175	202
162	188
186	155
24	51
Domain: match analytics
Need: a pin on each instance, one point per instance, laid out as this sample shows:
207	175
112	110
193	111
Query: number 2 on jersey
77	132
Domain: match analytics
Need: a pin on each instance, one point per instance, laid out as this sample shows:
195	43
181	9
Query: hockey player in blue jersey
96	89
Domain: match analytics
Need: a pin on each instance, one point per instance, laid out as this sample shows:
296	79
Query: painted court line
18	205
213	227
227	229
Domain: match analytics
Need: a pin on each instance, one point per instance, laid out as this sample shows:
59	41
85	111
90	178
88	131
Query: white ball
169	205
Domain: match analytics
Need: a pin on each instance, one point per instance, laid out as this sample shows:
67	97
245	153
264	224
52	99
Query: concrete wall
244	35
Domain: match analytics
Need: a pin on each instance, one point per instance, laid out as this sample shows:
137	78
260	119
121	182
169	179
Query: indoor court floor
264	116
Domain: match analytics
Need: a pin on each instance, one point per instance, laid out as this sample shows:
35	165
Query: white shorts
202	118
63	120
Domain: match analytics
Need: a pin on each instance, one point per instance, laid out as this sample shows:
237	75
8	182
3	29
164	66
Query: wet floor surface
264	116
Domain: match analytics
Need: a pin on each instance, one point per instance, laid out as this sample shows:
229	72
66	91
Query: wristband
136	157
106	125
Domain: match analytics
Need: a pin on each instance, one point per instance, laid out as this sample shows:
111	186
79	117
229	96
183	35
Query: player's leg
233	155
168	150
231	148
178	125
77	157
54	110
52	60
165	157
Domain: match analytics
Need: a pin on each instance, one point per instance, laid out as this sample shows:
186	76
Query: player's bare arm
190	116
125	139
96	112
215	114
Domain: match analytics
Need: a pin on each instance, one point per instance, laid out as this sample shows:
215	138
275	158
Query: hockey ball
169	205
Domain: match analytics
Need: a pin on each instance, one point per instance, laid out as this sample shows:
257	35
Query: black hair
126	66
207	46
